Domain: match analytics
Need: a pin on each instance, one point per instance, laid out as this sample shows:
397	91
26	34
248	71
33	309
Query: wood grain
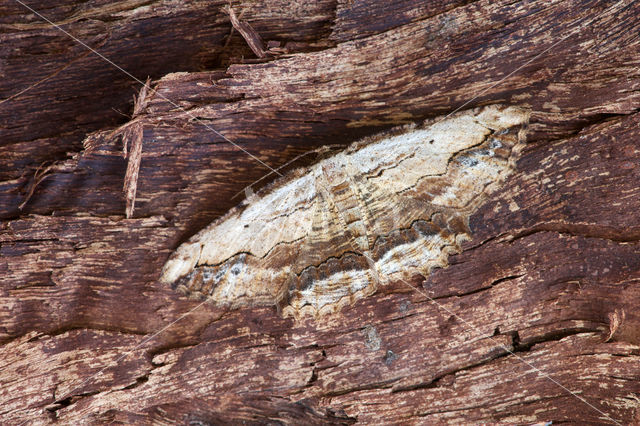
555	253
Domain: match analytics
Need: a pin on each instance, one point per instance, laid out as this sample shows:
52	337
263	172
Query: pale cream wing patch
279	216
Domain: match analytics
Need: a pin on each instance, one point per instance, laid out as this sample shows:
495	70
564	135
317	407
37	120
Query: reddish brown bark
552	270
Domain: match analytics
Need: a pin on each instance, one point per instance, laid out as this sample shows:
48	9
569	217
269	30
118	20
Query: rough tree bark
552	272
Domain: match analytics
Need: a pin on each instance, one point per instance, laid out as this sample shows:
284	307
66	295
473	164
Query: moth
384	209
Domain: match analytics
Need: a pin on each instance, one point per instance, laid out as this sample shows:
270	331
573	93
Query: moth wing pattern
326	234
386	208
324	282
253	242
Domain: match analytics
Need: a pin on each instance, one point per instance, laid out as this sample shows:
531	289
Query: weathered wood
552	270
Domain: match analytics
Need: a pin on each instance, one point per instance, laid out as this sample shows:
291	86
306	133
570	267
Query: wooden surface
517	329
